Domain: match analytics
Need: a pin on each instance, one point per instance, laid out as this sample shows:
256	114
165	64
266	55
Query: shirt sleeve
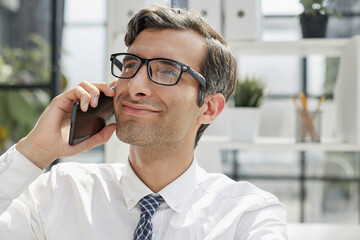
17	217
268	223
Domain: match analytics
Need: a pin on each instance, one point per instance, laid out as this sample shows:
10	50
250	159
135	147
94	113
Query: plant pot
244	123
314	26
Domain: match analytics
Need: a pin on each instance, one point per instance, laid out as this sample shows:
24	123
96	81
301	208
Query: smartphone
85	124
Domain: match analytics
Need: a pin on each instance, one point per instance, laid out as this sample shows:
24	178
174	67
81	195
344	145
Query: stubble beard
160	135
130	132
166	133
155	134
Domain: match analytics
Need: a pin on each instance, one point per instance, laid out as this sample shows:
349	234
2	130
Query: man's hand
49	138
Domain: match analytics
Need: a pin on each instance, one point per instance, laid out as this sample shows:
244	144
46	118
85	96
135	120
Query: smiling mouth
138	110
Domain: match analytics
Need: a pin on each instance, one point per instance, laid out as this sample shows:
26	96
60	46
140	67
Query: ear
212	107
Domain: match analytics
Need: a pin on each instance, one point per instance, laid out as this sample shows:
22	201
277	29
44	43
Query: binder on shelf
243	19
119	15
124	12
211	10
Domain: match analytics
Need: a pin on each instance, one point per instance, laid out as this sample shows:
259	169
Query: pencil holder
308	125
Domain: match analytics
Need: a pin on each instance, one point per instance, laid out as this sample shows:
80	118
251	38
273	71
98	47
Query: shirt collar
134	188
176	194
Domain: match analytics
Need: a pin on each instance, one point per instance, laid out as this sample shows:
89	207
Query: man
172	83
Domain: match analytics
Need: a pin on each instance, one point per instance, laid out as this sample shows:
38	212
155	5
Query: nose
139	85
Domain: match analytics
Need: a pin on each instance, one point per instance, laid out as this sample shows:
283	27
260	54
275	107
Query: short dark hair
219	64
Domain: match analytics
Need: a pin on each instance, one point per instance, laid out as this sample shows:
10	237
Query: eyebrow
169	63
127	57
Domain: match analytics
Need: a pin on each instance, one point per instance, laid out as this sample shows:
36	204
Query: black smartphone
85	124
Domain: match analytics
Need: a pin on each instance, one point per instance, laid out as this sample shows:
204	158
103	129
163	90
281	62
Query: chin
129	137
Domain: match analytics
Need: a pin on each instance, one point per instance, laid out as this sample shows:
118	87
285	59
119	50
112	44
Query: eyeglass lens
160	71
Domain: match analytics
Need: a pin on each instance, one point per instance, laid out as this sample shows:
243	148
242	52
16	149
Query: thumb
97	139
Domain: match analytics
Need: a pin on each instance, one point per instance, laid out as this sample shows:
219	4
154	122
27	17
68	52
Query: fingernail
86	106
111	87
95	99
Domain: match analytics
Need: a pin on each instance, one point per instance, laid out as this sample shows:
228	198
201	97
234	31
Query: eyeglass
162	71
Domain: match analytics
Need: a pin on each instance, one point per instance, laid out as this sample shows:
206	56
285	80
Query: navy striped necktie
148	206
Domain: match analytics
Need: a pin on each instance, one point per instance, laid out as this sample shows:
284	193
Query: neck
159	167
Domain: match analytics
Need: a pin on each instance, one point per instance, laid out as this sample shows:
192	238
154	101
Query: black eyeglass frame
184	68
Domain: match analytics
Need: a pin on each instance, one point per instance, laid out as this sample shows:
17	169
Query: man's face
149	114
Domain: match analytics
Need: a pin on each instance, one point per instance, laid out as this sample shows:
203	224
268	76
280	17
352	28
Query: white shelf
280	145
304	47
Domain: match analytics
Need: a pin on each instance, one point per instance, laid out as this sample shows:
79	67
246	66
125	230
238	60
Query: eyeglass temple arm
197	76
116	62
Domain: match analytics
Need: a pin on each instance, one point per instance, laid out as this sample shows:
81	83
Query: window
27	81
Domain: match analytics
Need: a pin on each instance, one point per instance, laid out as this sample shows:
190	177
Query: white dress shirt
99	201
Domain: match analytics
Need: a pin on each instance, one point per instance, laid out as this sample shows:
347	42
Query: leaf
249	92
21	108
42	99
3	112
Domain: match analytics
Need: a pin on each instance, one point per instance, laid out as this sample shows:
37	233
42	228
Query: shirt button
131	202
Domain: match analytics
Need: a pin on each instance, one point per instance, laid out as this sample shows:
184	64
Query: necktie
148	206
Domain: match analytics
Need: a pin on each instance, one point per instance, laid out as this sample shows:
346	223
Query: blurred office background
47	47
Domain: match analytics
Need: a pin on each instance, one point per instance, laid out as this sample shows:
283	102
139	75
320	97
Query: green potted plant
249	92
248	96
315	16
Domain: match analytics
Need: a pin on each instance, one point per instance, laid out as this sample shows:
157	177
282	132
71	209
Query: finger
93	91
84	97
113	84
106	88
104	135
84	92
100	87
67	99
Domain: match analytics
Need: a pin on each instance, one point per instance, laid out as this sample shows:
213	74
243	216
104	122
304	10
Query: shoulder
87	170
242	192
